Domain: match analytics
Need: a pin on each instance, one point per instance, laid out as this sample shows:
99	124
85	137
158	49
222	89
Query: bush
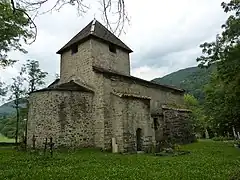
235	175
221	138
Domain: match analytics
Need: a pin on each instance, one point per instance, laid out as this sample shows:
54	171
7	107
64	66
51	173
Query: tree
198	117
222	94
3	90
226	41
14	27
35	76
35	79
18	91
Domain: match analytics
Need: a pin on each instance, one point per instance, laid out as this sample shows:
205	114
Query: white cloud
150	73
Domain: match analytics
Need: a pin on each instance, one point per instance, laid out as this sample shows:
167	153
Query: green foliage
3	89
8	124
5	139
222	93
192	80
207	160
190	101
14	27
222	138
35	76
8	109
17	89
199	120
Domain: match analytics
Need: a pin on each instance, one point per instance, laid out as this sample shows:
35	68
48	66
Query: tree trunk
26	125
16	138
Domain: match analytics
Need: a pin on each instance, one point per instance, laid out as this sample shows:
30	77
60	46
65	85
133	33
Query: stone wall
116	84
115	122
102	57
78	65
177	126
63	115
98	109
158	96
137	116
92	53
127	115
158	125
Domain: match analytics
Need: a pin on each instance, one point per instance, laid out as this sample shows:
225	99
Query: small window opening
155	121
112	48
74	49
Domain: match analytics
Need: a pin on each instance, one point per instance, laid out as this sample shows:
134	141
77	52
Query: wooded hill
192	80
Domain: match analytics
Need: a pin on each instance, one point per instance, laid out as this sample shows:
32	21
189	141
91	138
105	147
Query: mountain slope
8	108
191	79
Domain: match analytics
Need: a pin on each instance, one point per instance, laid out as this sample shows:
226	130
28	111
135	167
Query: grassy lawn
207	160
5	139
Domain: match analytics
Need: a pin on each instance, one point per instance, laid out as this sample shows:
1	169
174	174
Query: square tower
95	46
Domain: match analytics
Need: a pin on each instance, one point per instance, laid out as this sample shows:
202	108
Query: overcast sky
164	35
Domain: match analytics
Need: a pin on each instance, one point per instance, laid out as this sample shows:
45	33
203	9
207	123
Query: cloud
177	28
165	35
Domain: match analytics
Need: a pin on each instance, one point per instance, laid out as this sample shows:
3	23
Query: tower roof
95	30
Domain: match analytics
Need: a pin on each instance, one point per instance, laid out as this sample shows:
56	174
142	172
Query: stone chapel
96	100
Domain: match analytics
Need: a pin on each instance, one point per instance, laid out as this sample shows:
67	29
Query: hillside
8	108
191	79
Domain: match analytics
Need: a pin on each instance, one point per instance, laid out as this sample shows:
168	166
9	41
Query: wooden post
26	121
51	144
45	146
34	142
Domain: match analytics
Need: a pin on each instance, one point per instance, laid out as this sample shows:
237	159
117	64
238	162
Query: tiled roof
104	71
95	30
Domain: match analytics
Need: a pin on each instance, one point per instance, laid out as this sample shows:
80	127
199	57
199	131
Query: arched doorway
139	139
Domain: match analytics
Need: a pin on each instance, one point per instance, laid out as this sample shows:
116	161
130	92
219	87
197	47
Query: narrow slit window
112	48
74	49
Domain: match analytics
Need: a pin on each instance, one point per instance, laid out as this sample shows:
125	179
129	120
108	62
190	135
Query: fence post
45	146
34	142
51	144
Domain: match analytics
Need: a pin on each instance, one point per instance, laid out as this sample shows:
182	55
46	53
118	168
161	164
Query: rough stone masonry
96	99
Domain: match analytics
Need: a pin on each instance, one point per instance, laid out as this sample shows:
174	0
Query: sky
164	34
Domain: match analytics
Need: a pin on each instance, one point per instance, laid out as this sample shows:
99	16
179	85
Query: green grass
5	139
207	160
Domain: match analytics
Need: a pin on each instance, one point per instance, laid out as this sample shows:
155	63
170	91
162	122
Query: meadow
5	139
207	160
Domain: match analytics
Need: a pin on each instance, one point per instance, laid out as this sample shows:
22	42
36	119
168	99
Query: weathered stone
117	105
177	127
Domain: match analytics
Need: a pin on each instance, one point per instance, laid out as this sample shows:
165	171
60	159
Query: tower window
112	48
74	49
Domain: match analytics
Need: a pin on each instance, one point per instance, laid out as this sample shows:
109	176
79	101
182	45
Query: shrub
221	138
